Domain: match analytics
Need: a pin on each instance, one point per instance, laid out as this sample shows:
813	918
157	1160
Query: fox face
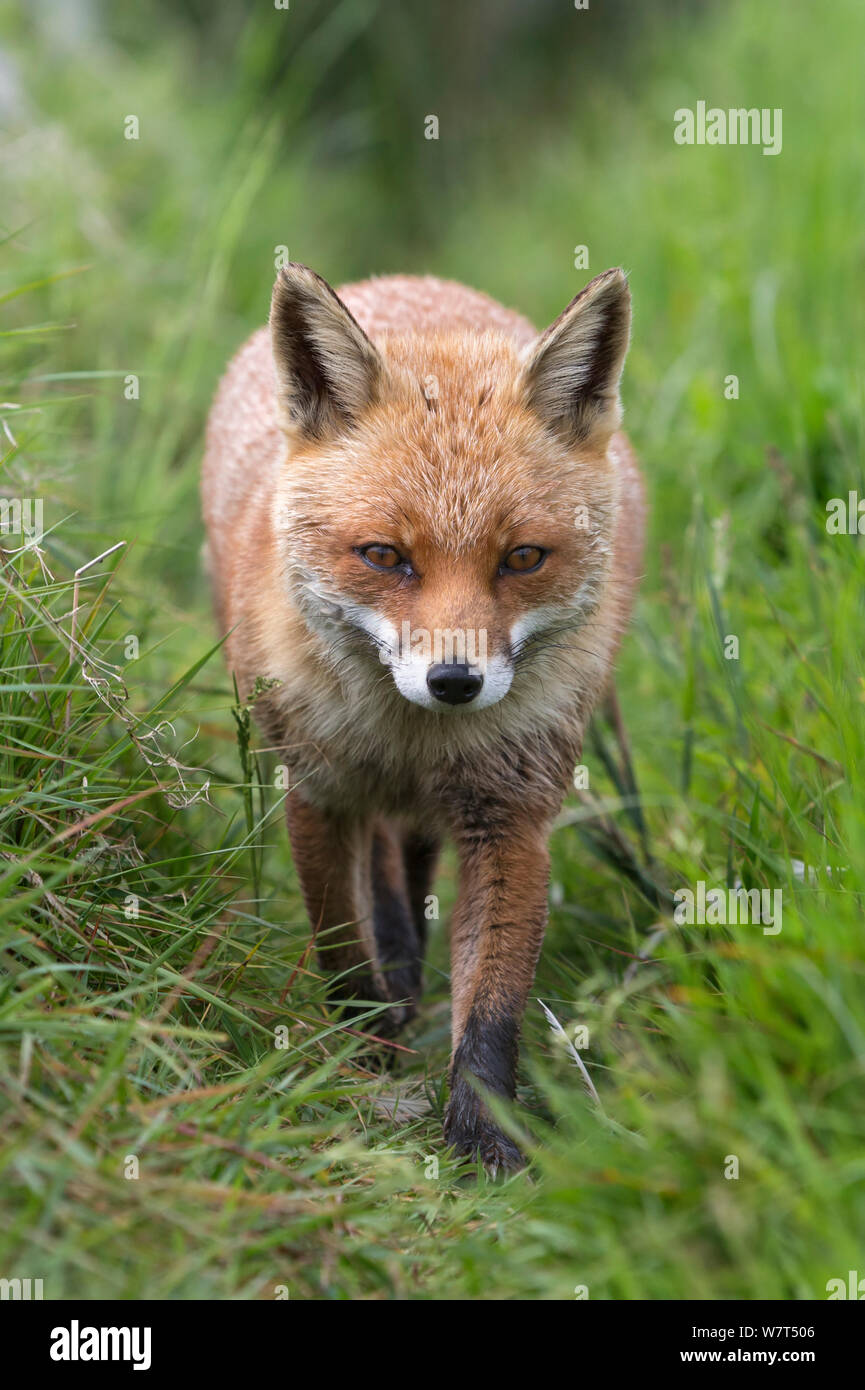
446	508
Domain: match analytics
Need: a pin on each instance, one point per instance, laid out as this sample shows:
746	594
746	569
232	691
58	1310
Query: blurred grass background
151	1037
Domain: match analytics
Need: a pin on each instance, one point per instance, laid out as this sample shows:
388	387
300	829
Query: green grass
153	939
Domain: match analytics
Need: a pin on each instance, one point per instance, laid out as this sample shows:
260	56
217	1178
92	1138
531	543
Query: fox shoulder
425	304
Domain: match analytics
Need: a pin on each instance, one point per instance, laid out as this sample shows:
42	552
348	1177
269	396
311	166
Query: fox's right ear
571	372
327	370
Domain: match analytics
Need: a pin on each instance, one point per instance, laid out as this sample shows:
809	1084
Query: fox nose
453	684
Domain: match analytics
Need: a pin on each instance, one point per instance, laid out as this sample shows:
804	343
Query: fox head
447	506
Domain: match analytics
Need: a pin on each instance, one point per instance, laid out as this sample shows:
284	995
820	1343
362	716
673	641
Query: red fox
424	534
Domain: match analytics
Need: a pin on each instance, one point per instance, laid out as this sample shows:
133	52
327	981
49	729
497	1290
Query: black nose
453	684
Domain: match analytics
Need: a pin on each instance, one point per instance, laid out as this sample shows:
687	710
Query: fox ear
571	372
327	370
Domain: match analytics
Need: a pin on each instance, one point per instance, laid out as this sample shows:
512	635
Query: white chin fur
410	680
409	669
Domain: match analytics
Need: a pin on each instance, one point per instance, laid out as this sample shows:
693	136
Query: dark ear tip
296	270
290	275
295	278
613	279
610	287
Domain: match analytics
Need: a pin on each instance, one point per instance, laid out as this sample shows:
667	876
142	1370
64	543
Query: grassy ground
160	1136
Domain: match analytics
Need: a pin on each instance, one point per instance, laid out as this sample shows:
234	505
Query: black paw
470	1132
497	1152
354	994
403	982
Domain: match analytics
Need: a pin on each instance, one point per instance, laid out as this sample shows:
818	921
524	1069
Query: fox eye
381	557
524	559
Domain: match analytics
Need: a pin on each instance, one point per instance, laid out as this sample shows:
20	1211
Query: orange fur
420	415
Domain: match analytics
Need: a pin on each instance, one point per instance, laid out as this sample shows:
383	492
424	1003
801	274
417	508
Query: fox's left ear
571	372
